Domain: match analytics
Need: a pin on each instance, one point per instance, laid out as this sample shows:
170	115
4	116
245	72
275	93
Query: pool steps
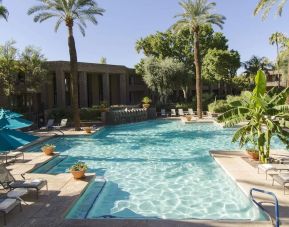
46	167
81	208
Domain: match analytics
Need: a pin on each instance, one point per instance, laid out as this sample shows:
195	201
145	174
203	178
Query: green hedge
219	106
86	114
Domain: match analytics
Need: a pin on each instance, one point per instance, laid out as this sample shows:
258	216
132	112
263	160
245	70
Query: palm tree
70	12
266	5
263	112
3	12
277	39
254	64
197	13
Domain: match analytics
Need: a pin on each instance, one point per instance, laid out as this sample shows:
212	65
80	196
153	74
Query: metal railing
276	203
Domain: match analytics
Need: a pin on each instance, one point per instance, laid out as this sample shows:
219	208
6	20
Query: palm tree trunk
73	79
198	73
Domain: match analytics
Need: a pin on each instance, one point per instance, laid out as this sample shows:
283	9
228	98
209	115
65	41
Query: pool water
158	169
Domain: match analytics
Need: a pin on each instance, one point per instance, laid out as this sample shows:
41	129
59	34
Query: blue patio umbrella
12	139
12	120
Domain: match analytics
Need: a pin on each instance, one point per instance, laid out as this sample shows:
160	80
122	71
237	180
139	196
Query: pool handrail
276	203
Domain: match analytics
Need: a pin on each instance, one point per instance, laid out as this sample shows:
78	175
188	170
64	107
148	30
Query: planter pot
48	150
146	105
253	154
189	118
78	174
88	130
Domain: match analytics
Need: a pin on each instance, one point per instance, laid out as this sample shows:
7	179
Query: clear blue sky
125	21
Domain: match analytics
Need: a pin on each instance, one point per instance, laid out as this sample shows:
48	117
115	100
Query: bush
86	114
58	114
219	106
90	114
206	99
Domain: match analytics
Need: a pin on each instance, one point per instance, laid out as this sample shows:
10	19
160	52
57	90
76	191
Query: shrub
206	99
86	114
219	106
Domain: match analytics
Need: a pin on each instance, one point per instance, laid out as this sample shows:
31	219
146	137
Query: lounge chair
181	112
7	205
282	179
190	111
173	113
8	181
49	125
272	167
163	113
11	155
63	124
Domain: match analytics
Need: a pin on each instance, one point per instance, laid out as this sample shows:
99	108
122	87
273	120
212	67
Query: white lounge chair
163	113
181	112
173	113
282	179
7	155
63	124
7	181
190	111
272	167
49	125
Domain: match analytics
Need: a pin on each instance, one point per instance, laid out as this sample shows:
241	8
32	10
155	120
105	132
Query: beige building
113	84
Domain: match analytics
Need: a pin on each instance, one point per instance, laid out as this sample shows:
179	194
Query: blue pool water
156	169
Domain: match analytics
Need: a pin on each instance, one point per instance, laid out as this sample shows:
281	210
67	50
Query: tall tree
3	11
70	12
196	14
254	64
277	39
221	66
266	6
8	68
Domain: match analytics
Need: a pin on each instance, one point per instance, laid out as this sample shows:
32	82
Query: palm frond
4	12
78	11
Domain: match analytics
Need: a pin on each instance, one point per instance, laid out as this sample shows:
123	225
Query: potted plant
188	117
103	107
78	170
146	102
88	129
253	153
48	149
258	110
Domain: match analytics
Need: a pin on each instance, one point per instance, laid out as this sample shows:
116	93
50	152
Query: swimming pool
157	169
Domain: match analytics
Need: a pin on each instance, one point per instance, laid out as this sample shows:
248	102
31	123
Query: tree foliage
159	74
29	64
263	112
221	65
3	12
256	63
265	6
